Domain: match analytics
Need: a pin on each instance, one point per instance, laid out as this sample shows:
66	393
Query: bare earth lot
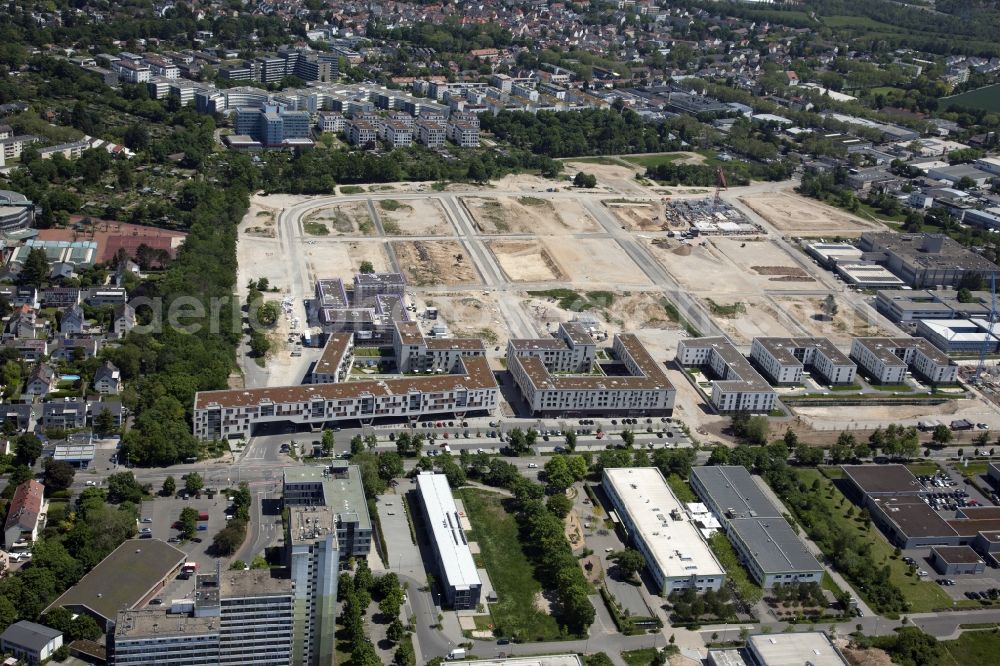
594	260
328	259
434	262
798	215
346	219
413	217
527	214
474	314
639	216
526	261
845	324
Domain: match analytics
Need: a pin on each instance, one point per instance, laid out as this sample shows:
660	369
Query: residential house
124	320
73	321
66	413
31	350
95	407
25	515
73	349
19	414
42	380
60	297
22	323
30	642
108	379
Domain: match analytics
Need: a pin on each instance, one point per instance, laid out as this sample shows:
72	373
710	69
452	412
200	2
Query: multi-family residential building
736	385
431	133
396	133
162	67
68	413
130	71
464	133
108	379
417	353
331	121
361	132
572	350
458	578
231	414
645	390
334	364
25	515
887	360
368	311
784	360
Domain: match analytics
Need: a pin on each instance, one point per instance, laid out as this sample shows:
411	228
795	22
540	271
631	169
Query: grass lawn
512	574
594	160
748	590
972	647
972	468
829	584
681	488
987	98
654	160
641	657
922	595
924	469
315	228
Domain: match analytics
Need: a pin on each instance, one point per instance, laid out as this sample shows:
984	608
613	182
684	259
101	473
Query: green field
923	596
640	657
513	576
654	160
987	99
972	647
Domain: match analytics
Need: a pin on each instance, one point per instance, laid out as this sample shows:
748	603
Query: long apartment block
737	384
784	360
644	390
887	360
231	414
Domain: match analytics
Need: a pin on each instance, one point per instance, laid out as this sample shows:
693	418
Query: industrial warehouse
676	553
763	539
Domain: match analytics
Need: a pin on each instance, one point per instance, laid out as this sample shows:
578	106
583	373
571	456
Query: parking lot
163	512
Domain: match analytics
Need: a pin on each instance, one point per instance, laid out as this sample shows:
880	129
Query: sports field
987	99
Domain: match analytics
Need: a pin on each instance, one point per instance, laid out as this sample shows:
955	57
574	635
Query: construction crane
720	184
989	331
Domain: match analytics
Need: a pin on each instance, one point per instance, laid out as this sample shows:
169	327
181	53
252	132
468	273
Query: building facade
736	384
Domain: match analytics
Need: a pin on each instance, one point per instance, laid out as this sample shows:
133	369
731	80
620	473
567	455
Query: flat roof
957	554
543	660
732	487
774	545
343	489
883	348
740	374
477	376
915	518
446	528
254	583
160	623
911	248
675	544
893	479
795	649
123	578
784	349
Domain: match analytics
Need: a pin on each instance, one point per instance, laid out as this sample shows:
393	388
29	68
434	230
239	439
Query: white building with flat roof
812	647
658	526
458	576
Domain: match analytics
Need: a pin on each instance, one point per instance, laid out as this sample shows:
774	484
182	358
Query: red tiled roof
26	505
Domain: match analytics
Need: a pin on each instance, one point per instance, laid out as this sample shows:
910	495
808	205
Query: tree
790	438
104	423
830	307
557	474
36	268
518	443
366	267
395	631
757	430
169	486
357	445
584	180
268	313
229	539
259	344
629	438
193	483
808	455
327	442
371	441
390	465
27	449
122	487
58	474
189	522
941	434
965	296
630	562
570	440
559	505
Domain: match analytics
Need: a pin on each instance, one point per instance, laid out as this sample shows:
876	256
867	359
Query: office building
314	554
887	360
956	561
369	310
458	578
926	260
957	336
736	385
638	386
784	360
334	364
794	649
143	637
16	211
338	487
658	526
762	538
910	305
272	125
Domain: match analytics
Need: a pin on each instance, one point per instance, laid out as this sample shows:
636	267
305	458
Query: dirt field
346	219
595	260
343	258
797	215
259	221
526	261
640	216
473	314
611	177
413	217
845	324
757	318
735	266
527	214
434	262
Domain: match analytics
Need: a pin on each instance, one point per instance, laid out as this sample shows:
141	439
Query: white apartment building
162	67
463	133
573	350
431	133
332	122
676	553
397	133
416	353
736	385
784	360
132	72
645	391
334	364
887	360
232	414
361	133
